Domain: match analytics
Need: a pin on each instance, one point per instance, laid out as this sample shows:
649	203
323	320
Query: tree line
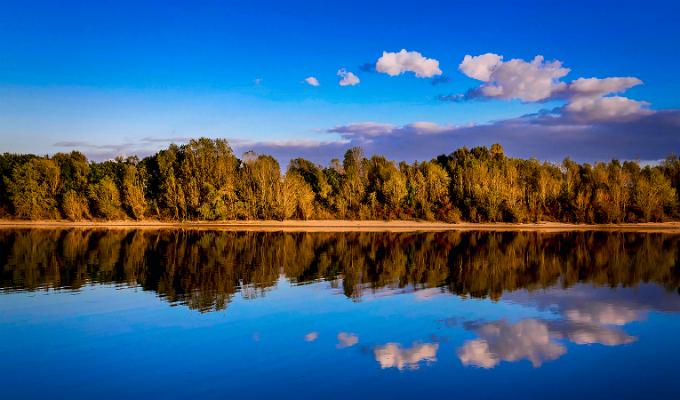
205	269
204	180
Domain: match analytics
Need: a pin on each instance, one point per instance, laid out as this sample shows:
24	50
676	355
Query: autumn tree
33	188
72	192
297	197
105	198
207	173
653	194
259	188
134	201
204	180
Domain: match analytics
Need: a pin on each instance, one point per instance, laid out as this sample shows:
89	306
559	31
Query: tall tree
133	192
33	188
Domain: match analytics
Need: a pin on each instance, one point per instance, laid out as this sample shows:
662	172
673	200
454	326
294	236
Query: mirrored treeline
204	269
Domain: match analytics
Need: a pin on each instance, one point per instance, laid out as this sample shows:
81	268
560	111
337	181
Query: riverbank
345	226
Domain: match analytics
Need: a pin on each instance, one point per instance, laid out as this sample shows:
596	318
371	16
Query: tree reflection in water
204	269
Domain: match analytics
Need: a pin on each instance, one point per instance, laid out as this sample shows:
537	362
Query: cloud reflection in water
392	355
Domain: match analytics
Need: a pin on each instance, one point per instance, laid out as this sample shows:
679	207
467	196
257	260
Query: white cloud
591	333
500	341
596	87
394	64
427	128
515	79
392	355
363	130
348	78
612	108
587	316
480	67
347	340
587	99
549	137
477	352
312	81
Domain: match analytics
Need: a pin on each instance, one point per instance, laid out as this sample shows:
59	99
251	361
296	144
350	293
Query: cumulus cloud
591	99
587	99
347	340
527	81
586	315
480	67
501	341
396	63
347	78
392	355
312	81
533	340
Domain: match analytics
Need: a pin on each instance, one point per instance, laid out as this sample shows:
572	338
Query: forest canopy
204	181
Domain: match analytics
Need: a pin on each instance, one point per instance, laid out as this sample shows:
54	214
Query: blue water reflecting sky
311	341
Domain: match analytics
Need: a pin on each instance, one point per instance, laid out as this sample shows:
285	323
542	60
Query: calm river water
218	314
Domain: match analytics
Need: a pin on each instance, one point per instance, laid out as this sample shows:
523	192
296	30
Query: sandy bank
344	226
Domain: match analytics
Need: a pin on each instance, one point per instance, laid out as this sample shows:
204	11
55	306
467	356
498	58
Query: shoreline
345	226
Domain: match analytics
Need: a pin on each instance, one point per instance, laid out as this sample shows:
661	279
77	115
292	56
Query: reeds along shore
203	180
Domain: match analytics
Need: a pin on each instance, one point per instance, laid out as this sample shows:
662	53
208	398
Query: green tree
133	192
33	189
105	198
74	174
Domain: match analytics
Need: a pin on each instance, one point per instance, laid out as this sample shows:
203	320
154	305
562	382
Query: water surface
219	314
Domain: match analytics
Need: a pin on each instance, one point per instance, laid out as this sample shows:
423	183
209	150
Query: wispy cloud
452	97
107	151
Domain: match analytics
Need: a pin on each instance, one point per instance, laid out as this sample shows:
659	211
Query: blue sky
122	77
